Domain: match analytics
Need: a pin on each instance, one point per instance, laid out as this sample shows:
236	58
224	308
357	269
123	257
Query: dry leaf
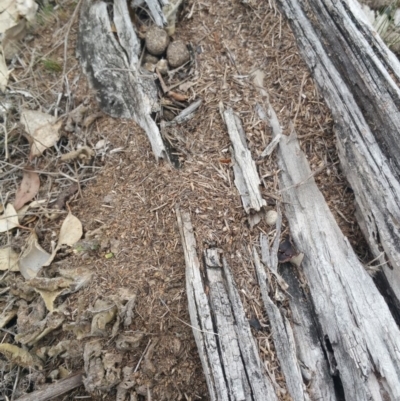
70	233
33	258
13	17
104	312
9	260
28	189
49	297
9	219
50	288
43	130
19	356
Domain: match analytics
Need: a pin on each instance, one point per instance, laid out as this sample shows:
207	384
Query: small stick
144	353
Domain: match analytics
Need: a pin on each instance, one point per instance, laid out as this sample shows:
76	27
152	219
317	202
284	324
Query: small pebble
157	40
168	115
149	67
177	54
272	217
149	58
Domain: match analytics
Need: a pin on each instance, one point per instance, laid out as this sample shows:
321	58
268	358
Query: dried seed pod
272	217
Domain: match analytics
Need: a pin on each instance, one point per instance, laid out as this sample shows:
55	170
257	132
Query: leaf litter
28	189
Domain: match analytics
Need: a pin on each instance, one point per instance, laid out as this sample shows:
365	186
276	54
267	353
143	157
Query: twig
71	21
303	81
186	324
144	353
5	137
313	174
15	383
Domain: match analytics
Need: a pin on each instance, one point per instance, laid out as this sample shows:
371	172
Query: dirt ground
130	198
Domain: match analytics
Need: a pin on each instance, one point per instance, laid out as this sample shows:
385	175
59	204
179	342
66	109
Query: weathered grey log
358	87
247	180
282	335
227	349
112	68
353	317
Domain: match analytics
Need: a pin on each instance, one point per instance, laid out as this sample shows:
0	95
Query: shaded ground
133	197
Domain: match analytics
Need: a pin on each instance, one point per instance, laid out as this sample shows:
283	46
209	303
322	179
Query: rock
168	115
157	40
272	217
149	58
177	54
149	67
162	66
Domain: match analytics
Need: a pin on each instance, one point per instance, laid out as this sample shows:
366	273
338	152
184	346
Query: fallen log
227	350
358	76
354	321
112	67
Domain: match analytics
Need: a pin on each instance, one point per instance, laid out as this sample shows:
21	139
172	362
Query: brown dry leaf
104	312
43	130
70	233
50	288
9	219
9	260
33	257
19	356
28	189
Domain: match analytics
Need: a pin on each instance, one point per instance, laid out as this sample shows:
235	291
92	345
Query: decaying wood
155	7
354	320
273	122
282	335
200	314
226	347
112	67
358	78
247	180
56	389
186	114
313	364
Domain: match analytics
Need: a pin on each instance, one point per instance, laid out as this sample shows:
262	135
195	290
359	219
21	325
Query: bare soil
132	196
